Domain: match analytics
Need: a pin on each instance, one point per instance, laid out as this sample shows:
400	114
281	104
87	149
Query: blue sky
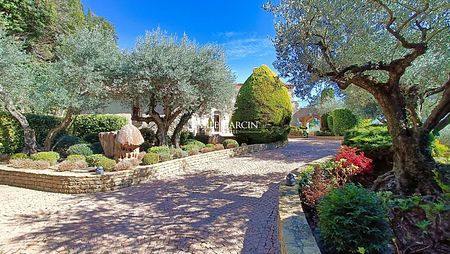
242	27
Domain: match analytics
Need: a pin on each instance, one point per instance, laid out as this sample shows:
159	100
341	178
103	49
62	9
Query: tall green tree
15	75
396	50
77	81
173	79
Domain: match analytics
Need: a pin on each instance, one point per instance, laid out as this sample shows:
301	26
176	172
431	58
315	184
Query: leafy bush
218	147
123	165
209	146
207	149
92	160
351	161
92	124
343	120
314	184
63	143
185	136
76	157
297	131
107	163
197	143
178	153
165	156
159	149
51	157
149	138
68	165
439	149
80	149
263	98
352	217
150	158
230	143
29	163
19	156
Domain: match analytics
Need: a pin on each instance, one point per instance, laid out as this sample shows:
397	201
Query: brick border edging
294	234
74	183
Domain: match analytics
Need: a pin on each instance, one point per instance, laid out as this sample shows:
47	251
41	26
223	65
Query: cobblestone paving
229	206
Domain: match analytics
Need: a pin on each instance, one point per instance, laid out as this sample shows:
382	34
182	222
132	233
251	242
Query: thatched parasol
129	135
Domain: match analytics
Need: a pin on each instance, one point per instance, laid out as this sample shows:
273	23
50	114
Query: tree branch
441	110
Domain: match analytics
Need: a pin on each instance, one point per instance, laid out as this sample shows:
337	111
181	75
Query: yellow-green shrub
51	157
150	158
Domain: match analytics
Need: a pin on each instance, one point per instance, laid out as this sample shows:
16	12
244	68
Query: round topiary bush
80	149
159	149
76	157
263	108
197	143
150	158
230	143
51	157
19	156
107	163
351	217
343	120
93	159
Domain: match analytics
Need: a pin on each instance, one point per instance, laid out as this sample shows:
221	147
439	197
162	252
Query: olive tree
76	82
16	75
173	79
396	50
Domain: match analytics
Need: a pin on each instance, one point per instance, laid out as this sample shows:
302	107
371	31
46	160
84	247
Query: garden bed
74	182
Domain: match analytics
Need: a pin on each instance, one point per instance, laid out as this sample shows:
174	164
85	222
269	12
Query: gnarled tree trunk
29	134
177	132
51	135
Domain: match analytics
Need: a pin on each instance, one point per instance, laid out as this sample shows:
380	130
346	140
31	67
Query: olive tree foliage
77	81
397	50
172	79
15	72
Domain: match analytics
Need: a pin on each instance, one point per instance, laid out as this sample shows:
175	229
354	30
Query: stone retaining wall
294	234
68	182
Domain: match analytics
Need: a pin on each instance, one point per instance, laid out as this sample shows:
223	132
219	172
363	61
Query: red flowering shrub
350	161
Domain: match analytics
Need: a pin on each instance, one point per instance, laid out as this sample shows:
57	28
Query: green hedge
89	125
330	123
11	133
324	122
343	120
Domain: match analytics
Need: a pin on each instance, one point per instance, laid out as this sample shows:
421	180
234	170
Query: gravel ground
229	206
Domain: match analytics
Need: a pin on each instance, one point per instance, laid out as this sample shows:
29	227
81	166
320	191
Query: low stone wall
294	234
68	182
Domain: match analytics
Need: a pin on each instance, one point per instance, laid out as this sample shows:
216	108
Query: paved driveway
228	206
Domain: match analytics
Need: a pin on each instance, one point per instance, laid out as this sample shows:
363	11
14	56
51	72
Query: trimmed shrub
80	149
64	142
90	125
197	143
19	156
76	157
343	120
190	147
218	147
297	131
123	165
29	163
262	99
107	163
92	160
150	158
68	165
159	149
353	217
178	153
207	149
209	146
165	157
230	143
51	157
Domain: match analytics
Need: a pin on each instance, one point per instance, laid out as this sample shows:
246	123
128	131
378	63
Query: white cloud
247	46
